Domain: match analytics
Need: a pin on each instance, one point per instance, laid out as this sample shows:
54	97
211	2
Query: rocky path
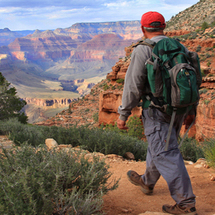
129	199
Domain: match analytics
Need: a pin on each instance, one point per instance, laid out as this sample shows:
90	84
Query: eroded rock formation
205	121
48	102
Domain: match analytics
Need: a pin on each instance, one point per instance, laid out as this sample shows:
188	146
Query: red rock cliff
205	121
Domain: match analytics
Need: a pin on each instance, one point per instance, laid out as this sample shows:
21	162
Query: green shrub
20	133
95	139
205	25
203	91
198	49
190	150
108	141
120	81
202	57
212	24
206	101
185	36
209	49
193	35
38	181
112	142
70	109
96	117
112	127
209	150
106	87
207	55
113	87
202	73
135	127
208	63
119	87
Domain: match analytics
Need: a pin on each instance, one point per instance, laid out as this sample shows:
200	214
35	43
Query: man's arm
134	84
121	124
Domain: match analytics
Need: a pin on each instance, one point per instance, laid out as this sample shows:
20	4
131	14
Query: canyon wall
54	103
100	47
41	109
128	30
80	52
205	121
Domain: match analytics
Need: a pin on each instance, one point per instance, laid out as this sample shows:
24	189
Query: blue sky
52	14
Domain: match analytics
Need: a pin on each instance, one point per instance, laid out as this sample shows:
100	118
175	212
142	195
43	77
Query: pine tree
10	103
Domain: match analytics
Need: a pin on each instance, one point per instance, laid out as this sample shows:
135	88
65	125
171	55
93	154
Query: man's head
152	22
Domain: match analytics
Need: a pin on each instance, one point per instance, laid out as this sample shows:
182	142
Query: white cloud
116	4
52	14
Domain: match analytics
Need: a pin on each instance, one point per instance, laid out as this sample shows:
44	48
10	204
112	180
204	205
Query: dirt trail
129	199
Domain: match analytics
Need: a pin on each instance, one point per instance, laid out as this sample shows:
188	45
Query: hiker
159	162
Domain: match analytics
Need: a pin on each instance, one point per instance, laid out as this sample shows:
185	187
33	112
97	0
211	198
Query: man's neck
149	35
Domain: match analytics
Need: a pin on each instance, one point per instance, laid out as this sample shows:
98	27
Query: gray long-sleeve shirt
135	79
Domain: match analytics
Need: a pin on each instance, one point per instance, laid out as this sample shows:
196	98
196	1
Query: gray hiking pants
168	163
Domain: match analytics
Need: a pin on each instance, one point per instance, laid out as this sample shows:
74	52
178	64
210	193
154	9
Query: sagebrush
95	139
38	181
191	150
209	151
107	141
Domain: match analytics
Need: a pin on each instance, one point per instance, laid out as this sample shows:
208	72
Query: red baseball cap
153	19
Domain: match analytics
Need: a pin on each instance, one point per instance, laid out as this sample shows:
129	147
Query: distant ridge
121	28
5	30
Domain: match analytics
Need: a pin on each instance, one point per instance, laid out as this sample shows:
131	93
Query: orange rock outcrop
205	121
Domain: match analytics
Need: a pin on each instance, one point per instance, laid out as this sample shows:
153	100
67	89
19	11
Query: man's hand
121	124
188	121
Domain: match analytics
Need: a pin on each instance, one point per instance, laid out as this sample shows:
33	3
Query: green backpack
174	78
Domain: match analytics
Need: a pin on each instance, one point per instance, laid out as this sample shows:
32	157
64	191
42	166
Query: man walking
168	163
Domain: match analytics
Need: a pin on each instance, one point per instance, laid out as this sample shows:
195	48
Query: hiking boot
176	209
137	180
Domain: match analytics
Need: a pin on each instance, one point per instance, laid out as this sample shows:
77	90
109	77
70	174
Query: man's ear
143	30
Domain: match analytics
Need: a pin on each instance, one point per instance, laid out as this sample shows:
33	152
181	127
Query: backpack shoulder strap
146	42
